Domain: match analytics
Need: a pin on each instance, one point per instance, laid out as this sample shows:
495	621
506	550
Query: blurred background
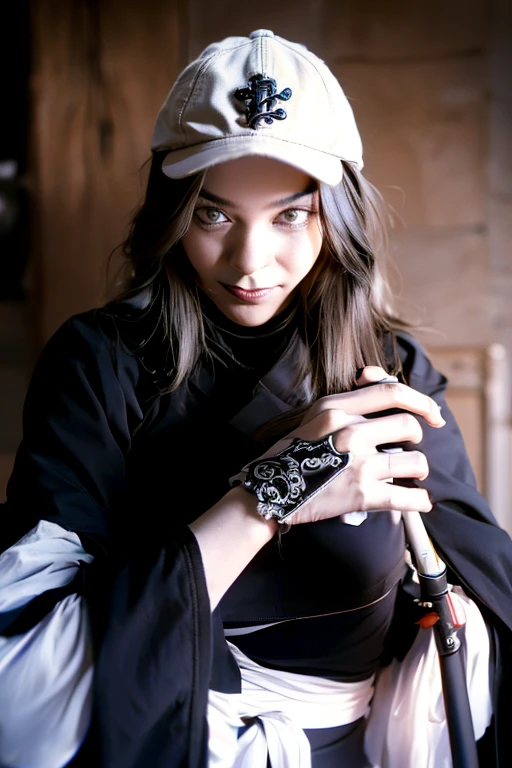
431	88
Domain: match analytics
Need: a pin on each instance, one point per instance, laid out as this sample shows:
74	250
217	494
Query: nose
249	250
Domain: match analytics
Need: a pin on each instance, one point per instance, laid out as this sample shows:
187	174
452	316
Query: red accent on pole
428	620
457	612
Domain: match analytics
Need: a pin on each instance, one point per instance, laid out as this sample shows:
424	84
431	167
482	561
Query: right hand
364	485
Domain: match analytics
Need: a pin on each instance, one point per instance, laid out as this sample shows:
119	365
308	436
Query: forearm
229	535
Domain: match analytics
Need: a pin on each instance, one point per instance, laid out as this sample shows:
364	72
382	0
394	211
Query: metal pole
436	598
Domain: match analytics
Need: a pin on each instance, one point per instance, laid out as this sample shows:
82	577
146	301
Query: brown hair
346	301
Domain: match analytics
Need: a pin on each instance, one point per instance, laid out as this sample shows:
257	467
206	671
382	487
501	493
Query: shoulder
83	339
90	350
92	328
122	343
116	330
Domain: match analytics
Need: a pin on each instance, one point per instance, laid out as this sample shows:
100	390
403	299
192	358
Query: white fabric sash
283	704
45	679
407	725
46	673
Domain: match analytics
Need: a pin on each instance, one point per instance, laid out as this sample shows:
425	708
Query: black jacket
107	457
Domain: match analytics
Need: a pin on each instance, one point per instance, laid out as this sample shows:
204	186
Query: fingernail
437	411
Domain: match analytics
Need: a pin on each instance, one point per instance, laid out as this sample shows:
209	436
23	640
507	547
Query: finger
382	397
365	436
370	375
389	496
408	499
405	464
326	422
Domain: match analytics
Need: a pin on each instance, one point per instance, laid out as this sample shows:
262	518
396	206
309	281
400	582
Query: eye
208	215
297	217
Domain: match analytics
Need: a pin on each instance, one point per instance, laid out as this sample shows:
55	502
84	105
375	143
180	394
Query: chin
249	316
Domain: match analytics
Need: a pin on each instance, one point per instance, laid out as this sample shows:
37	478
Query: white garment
45	558
284	703
407	724
46	673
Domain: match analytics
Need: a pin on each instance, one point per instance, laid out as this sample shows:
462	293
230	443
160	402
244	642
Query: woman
254	312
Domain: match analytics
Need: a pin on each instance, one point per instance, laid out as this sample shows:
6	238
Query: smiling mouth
249	296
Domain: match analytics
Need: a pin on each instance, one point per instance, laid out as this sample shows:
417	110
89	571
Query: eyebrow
205	195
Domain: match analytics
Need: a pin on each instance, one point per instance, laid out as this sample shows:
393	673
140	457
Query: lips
250	297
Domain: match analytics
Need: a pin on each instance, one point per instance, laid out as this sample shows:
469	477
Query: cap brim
320	165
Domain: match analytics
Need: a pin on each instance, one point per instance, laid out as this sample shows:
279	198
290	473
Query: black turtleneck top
346	644
242	355
98	459
151	463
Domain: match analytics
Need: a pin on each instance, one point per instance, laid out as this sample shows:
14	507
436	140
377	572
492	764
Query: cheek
307	251
316	240
199	250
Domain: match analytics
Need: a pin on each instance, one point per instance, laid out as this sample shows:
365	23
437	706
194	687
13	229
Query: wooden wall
433	106
418	79
101	72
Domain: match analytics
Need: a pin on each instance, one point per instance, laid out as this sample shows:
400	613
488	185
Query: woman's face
254	236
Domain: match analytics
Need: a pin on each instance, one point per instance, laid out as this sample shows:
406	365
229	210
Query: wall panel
101	72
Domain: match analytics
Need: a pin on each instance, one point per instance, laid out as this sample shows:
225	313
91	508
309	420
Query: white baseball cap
257	95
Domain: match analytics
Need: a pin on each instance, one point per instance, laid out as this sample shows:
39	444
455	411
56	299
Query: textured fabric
344	646
335	747
45	558
203	123
106	458
280	705
407	725
45	673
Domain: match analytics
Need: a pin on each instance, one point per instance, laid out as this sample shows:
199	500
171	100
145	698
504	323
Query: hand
364	485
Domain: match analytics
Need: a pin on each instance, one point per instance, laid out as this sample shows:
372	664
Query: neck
218	319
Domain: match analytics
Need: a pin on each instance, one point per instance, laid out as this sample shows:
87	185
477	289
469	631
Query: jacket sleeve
79	414
150	614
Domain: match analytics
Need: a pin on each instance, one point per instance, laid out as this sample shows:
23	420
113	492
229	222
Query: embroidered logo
260	97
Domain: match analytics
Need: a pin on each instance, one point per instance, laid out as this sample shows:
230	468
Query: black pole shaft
435	593
458	713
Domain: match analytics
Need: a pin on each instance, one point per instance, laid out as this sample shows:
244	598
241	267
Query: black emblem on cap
260	97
